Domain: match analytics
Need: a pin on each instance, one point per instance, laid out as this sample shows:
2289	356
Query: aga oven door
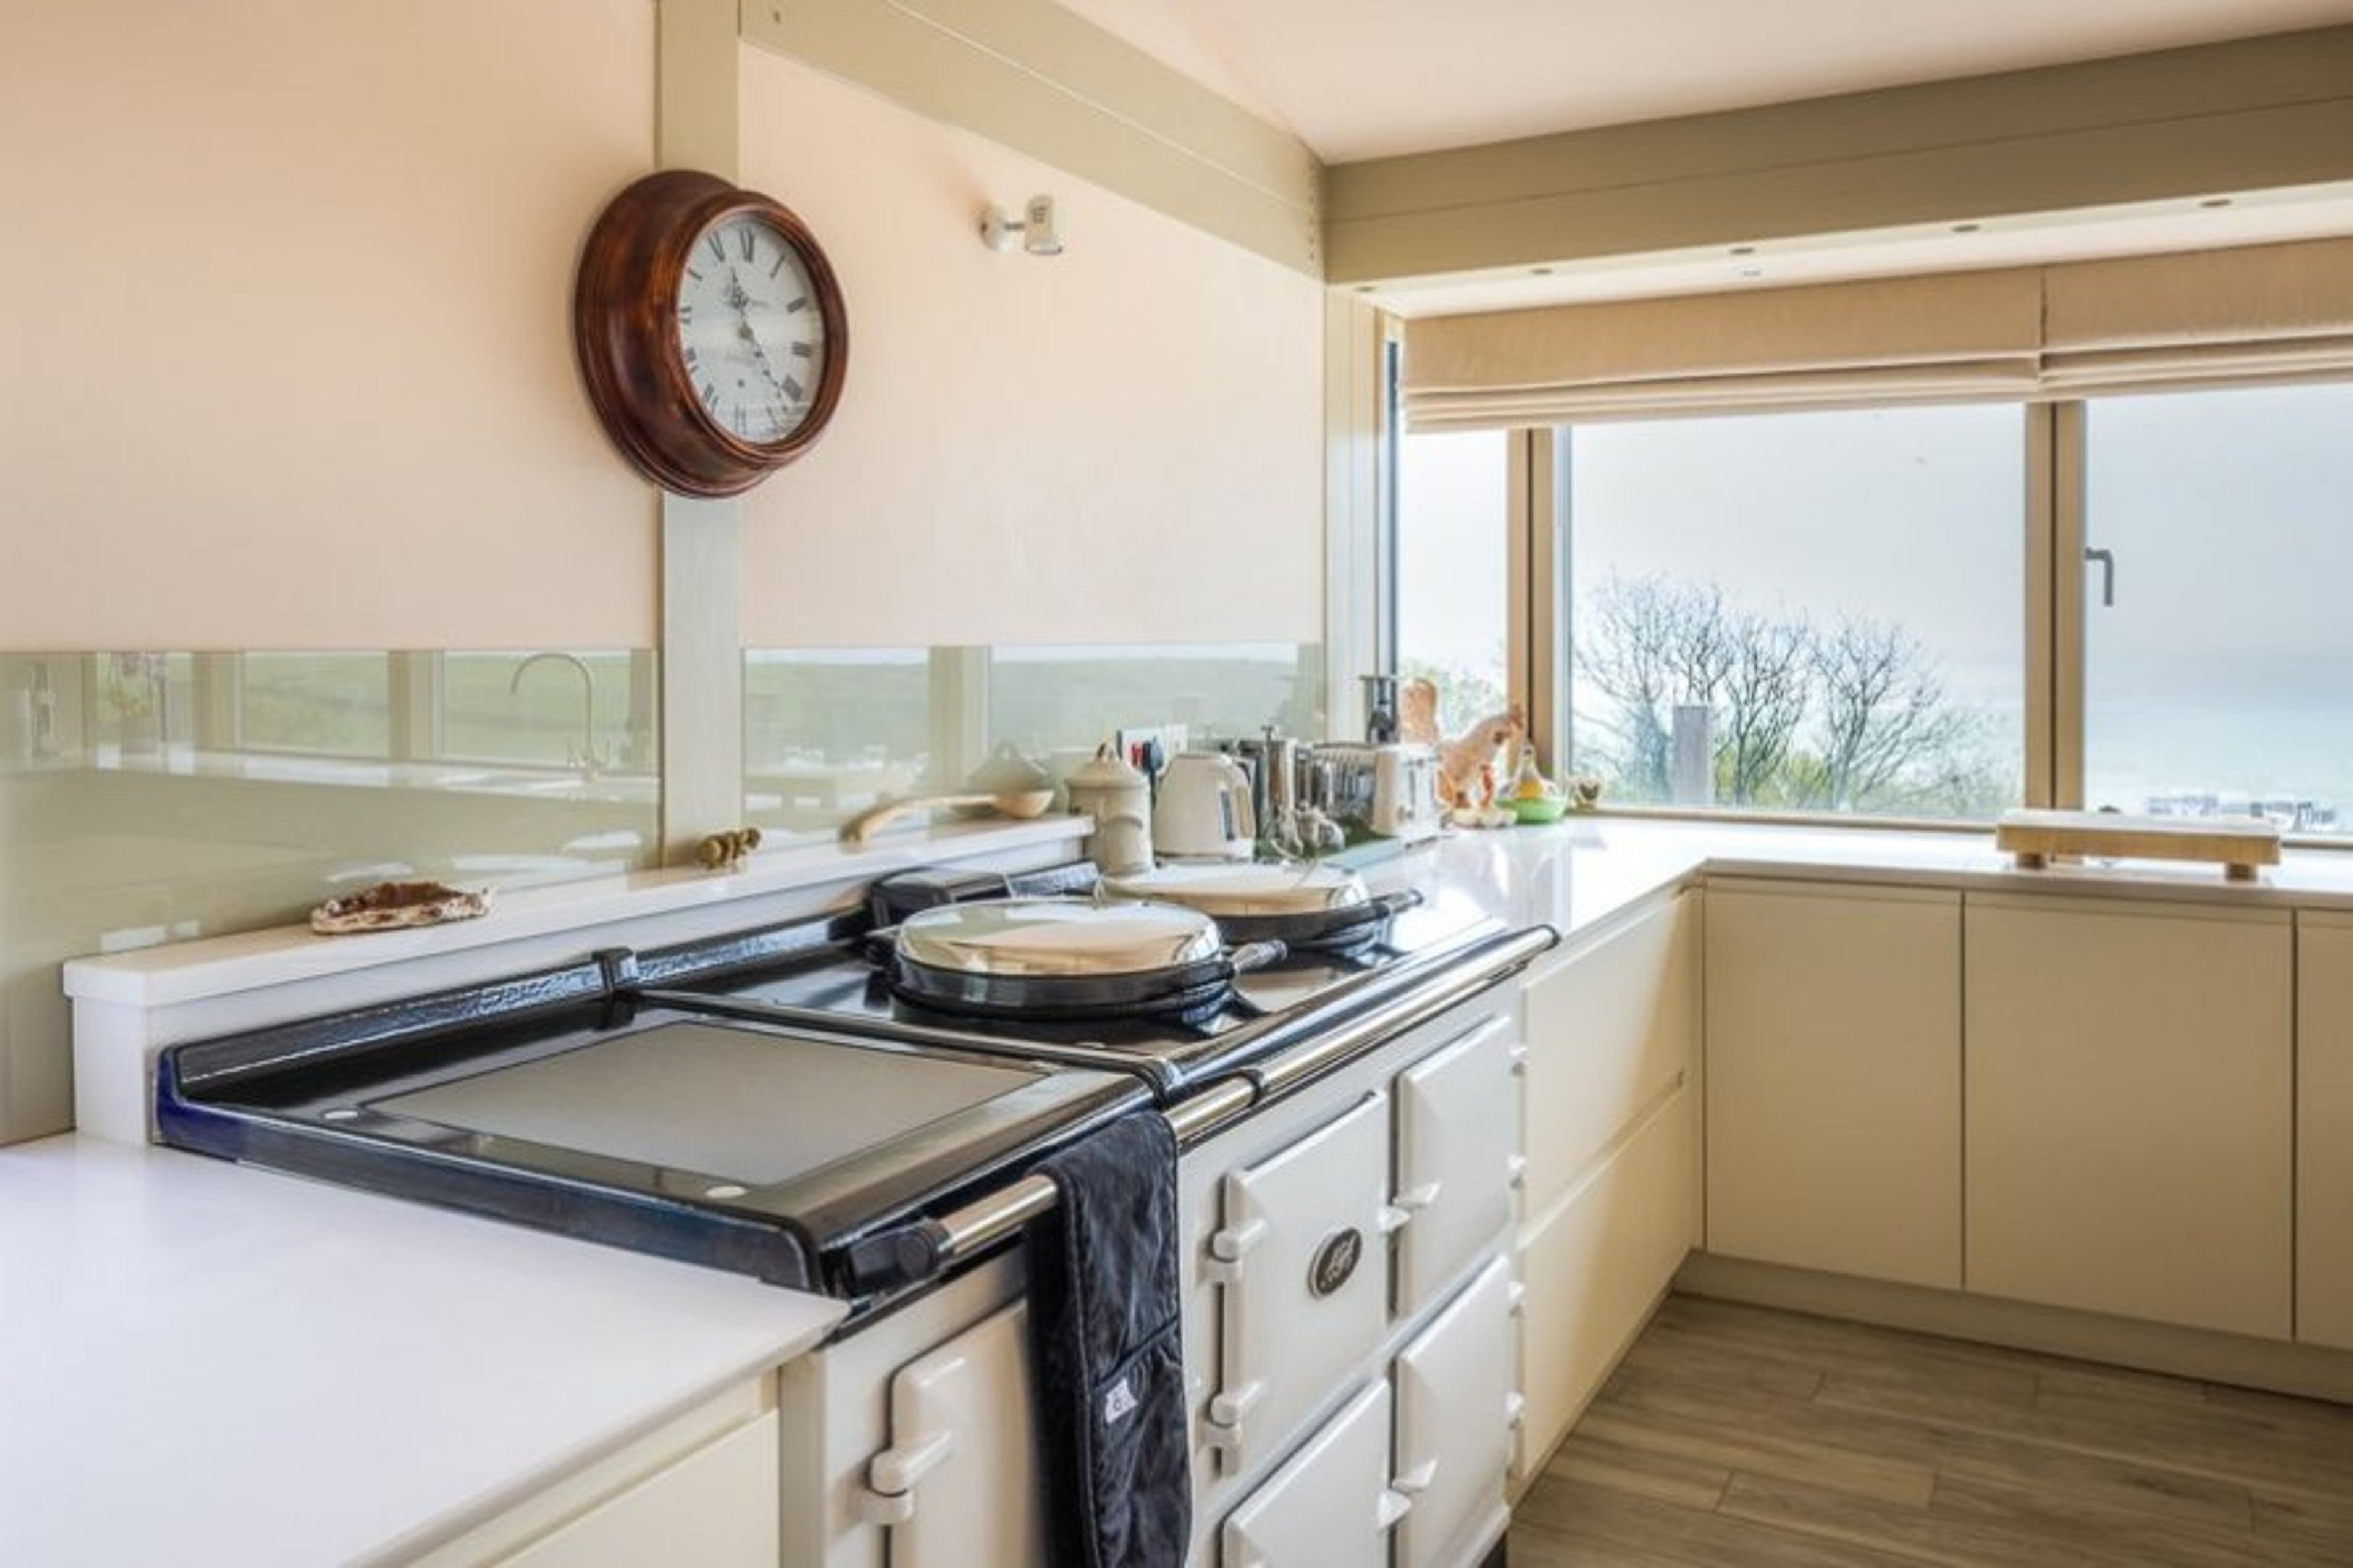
1302	1259
1456	1405
1457	1113
1329	1502
958	1486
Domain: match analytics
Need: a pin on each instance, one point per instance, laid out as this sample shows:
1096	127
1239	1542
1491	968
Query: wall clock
711	331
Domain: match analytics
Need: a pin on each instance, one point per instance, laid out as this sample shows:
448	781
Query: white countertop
1581	871
202	1364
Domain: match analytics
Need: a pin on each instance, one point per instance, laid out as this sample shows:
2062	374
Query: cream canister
1119	798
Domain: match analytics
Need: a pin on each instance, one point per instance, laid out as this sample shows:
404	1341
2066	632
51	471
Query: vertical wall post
698	125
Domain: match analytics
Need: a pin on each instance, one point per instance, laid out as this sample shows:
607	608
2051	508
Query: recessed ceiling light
2215	202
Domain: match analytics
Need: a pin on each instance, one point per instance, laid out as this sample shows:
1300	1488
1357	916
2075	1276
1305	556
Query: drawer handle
1515	1410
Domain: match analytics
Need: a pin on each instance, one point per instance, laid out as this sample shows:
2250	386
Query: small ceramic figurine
1462	760
1418	711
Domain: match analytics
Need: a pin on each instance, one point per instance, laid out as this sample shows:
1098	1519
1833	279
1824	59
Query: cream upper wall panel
285	300
1121	443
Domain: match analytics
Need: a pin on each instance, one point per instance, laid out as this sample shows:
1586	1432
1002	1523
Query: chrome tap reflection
586	760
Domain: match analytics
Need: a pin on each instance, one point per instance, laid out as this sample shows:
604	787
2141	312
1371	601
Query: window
2218	675
1804	612
1452	539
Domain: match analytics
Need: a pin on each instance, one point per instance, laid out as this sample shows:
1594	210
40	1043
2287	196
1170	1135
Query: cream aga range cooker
852	1105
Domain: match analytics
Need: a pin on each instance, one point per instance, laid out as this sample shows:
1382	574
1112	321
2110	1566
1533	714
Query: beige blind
2202	317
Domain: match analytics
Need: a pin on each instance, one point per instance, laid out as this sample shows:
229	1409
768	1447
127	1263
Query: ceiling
1367	78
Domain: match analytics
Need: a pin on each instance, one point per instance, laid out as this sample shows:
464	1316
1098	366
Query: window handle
2106	560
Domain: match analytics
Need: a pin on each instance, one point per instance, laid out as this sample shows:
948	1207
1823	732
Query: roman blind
2255	312
2018	333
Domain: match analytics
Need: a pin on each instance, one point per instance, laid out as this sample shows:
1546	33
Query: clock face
750	329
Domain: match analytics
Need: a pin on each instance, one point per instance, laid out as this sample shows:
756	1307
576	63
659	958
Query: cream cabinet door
1595	1265
2130	1096
1833	1078
1610	1028
2324	1207
717	1507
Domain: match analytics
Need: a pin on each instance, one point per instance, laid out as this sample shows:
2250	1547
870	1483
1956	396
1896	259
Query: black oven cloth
1106	1342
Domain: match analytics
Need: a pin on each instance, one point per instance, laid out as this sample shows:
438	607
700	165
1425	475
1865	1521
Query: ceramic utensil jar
1119	798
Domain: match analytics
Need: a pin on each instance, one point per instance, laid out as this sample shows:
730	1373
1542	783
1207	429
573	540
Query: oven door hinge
892	1475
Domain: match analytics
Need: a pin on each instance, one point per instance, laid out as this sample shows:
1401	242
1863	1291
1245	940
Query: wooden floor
1734	1435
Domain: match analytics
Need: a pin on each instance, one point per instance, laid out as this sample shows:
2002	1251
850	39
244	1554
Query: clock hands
740	300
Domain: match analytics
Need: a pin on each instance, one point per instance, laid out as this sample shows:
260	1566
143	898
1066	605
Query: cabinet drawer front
717	1507
1595	1267
1454	1399
1608	1028
1454	1114
2130	1106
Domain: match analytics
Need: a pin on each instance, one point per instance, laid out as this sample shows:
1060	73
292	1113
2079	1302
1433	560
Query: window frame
2055	617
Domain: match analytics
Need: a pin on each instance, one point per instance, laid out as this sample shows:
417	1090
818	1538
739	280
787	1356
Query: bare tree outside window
1847	716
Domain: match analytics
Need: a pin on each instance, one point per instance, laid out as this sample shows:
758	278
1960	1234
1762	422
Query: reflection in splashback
827	732
150	796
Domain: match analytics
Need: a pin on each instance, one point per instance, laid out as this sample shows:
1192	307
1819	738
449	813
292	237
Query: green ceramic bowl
1543	808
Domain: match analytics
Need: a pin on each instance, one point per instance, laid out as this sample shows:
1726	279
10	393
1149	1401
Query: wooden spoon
1021	804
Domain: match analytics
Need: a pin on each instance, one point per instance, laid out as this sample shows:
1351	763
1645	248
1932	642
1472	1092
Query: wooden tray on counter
2240	844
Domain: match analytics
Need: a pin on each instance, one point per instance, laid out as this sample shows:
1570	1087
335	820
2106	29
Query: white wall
1119	444
284	298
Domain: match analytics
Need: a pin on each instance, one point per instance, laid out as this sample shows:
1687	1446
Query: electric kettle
1203	811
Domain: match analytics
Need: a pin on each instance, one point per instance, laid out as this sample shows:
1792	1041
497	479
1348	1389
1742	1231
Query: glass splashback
829	731
150	796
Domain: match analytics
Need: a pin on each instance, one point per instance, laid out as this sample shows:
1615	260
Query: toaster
1391	789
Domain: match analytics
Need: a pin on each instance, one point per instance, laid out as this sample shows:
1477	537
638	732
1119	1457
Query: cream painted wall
284	312
1119	444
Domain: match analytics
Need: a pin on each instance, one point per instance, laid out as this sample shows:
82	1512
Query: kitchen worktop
300	1374
204	1364
1578	873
